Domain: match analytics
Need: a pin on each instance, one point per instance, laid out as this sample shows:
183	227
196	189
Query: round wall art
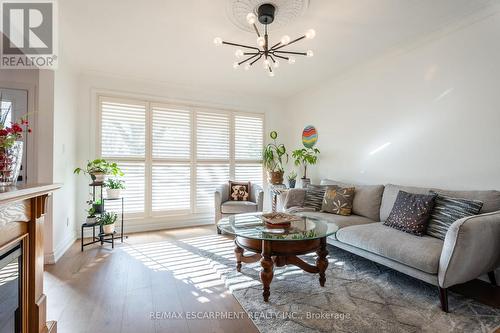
309	136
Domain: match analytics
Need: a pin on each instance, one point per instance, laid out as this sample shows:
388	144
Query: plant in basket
11	147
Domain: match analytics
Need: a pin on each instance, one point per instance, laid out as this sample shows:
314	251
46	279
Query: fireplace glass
10	290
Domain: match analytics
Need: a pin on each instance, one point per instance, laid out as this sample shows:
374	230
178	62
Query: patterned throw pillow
314	196
338	200
447	210
239	191
411	212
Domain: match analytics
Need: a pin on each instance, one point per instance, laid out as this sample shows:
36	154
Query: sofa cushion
490	199
390	194
339	220
367	198
411	212
314	196
421	253
294	197
237	207
338	200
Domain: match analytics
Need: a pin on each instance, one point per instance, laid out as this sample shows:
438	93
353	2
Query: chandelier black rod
253	62
293	41
241	45
256	30
249	58
278	56
290	52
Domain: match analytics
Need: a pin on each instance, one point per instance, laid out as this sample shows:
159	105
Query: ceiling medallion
249	55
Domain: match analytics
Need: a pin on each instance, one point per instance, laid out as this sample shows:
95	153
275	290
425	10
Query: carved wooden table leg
266	274
238	251
321	261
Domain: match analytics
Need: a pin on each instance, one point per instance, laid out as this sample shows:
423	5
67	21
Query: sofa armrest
258	196
220	196
471	248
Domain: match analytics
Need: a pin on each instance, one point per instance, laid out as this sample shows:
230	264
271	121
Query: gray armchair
224	207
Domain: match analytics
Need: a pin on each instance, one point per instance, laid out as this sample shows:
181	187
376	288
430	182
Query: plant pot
98	177
10	163
304	182
275	177
291	183
113	193
91	220
98	208
108	228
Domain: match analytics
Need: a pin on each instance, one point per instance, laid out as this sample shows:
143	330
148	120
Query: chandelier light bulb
236	65
310	34
247	67
261	41
276	64
266	63
271	74
251	18
309	53
285	40
238	53
218	41
291	60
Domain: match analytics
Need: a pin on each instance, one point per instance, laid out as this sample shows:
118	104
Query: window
173	157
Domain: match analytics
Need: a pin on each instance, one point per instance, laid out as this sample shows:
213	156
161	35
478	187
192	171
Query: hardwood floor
103	290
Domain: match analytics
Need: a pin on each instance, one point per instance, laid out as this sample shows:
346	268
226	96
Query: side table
276	190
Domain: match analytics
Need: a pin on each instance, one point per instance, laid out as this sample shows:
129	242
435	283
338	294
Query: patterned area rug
359	295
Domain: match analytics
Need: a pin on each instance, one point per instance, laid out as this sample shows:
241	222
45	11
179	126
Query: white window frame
149	104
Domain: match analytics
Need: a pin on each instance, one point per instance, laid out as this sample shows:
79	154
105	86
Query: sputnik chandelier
271	55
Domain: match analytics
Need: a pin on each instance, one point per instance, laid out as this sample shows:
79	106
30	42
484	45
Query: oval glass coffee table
279	247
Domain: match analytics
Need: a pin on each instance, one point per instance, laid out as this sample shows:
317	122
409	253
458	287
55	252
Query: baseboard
159	224
52	257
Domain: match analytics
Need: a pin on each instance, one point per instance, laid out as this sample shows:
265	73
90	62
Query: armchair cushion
239	191
237	207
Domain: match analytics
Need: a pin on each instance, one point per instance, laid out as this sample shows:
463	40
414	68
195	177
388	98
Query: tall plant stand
101	237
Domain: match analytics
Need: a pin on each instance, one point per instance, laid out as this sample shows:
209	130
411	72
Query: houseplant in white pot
107	221
91	218
98	169
304	157
114	188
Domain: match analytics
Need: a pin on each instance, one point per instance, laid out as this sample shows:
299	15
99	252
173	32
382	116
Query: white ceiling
171	41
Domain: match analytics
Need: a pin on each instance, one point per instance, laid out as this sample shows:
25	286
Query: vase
10	163
291	183
113	193
275	177
304	182
108	228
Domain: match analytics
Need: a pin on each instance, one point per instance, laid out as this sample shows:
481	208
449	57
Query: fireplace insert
10	289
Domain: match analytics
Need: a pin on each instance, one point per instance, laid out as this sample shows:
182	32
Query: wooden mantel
22	209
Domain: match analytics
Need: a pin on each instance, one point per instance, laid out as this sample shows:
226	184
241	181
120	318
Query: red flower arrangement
10	134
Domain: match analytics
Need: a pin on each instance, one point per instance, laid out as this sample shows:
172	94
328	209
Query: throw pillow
411	212
314	196
338	200
239	191
447	210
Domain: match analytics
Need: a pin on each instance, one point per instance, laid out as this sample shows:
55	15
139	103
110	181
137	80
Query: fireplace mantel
21	220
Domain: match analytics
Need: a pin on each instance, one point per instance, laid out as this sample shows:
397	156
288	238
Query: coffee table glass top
251	226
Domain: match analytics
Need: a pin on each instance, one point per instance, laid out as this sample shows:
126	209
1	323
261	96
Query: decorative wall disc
286	11
309	136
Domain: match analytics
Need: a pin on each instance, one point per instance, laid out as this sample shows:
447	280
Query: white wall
93	83
437	104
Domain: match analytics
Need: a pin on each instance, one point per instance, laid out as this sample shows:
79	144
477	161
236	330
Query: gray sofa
471	247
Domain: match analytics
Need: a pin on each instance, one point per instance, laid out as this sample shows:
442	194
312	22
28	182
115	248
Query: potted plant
97	206
304	157
107	221
292	178
273	157
91	218
98	169
114	188
11	146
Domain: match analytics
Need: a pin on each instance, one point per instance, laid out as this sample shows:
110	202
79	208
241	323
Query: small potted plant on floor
107	221
273	157
114	188
98	169
292	178
304	157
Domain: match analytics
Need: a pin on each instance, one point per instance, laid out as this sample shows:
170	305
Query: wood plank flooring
103	290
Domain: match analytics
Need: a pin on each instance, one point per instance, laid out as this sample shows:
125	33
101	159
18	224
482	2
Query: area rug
359	296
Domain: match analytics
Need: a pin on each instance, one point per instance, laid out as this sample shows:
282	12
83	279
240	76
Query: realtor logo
28	34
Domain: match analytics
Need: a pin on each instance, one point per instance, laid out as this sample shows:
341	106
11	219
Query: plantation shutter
212	136
123	129
171	187
171	133
208	177
248	142
135	187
